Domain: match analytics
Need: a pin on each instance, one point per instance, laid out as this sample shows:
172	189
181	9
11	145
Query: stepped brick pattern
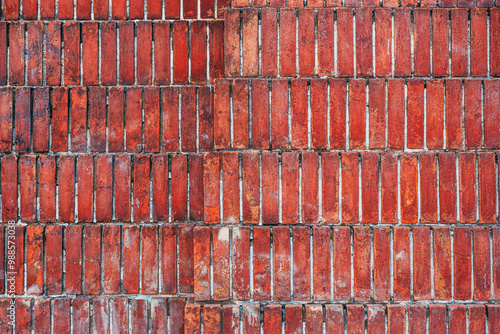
250	166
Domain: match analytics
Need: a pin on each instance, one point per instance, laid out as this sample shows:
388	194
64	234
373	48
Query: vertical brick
381	261
100	315
396	117
442	263
415	114
240	114
422	46
402	263
321	262
376	319
222	115
66	183
131	260
314	319
97	116
262	263
272	319
53	53
337	114
34	260
73	277
281	263
3	53
139	315
361	264
168	256
122	187
402	42
477	319
47	188
149	259
279	114
357	114
78	113
301	263
17	51
459	41
179	186
92	261
230	167
383	49
176	308
216	52
454	113
22	107
119	311
170	119
250	27
196	187
467	187
211	186
364	52
440	36
101	9
270	189
151	119
269	44
462	263
319	122
188	118
428	188
90	52
104	187
493	317
435	114
491	115
9	188
141	187
287	45
27	188
299	113
144	57
447	188
487	205
396	321
293	318
34	52
81	310
133	116
326	59
345	48
369	187
350	188
60	119
231	319
290	187
161	31
41	315
260	114
409	188
198	52
306	30
41	119
310	185
417	316
478	42
220	260
457	319
6	113
330	187
342	263
62	315
205	119
192	318
482	263
158	315
232	42
212	319
126	42
355	319
112	261
240	263
472	113
495	243
108	53
250	187
421	263
376	111
334	318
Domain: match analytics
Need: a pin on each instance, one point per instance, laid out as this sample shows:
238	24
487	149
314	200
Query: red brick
442	263
27	188
34	53
192	318
112	262
136	10
172	9
4	255
101	9
310	185
34	260
319	122
240	114
389	199
250	187
477	319
6	118
491	115
376	319
133	116
467	187
231	319
212	319
299	113
417	315
364	52
376	114
41	315
326	59
230	166
144	57
73	276
83	9
330	187
337	114
97	116
270	189
139	315
30	9
198	52
383	50
17	51
334	318
168	258
207	9
151	119
402	263
396	319
196	187
141	187
60	119
454	113
90	53
478	42
178	170
216	52
131	259
447	188
357	114
459	36
435	114
281	263
350	188
428	188
261	263
211	187
222	115
279	114
437	318
381	261
269	46
220	260
493	317
287	42
472	113
462	263
482	263
120	314
421	263
201	256
232	42
100	315
415	114
149	259
53	53
47	188
402	42
409	188
186	270
355	319
170	119
321	263
314	319
41	119
104	187
22	107
78	111
161	31
496	265
293	318
272	320
306	29
457	322
260	114
3	53
9	188
290	187
61	313
369	175
361	265
92	261
494	44
345	48
241	263
440	36
485	3
126	42
81	311
176	308
422	46
122	187
250	29
396	115
205	119
242	3
487	205
66	9
342	263
158	315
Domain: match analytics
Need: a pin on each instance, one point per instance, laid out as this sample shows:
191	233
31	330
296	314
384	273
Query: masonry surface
249	166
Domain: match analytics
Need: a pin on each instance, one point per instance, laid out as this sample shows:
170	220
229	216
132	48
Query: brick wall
182	166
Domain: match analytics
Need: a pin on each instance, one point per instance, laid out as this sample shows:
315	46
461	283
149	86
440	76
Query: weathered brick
240	263
221	274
